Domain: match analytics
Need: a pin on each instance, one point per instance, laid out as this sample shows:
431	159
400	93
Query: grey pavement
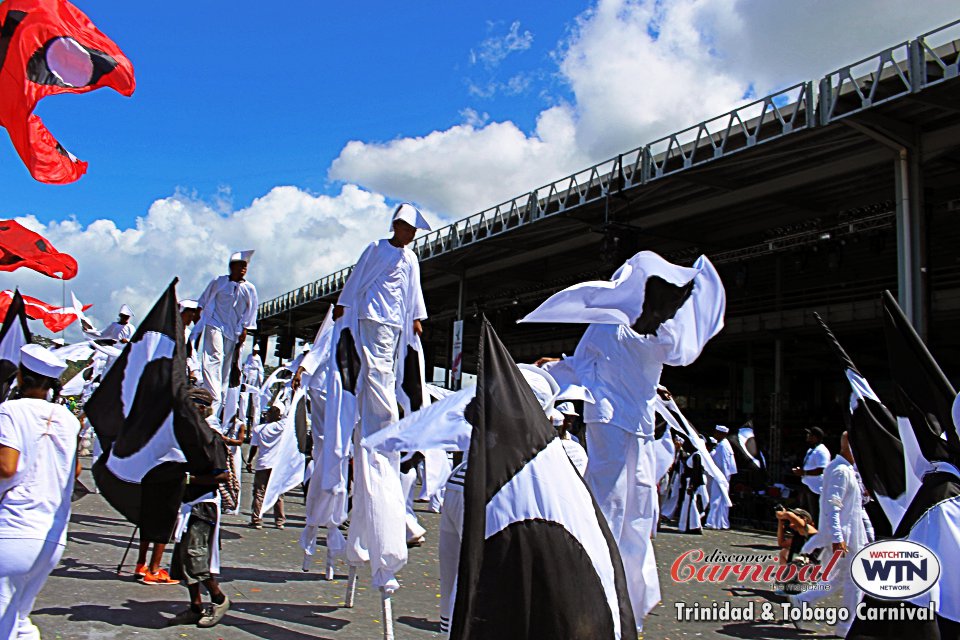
273	598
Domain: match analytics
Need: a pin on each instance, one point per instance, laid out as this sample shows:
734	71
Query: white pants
217	360
719	516
408	481
25	565
451	536
840	578
377	527
620	473
377	523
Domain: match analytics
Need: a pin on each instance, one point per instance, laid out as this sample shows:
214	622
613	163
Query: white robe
690	517
719	516
841	520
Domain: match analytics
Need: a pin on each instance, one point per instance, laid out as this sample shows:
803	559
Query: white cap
411	215
566	408
722	429
42	362
542	384
126	311
256	347
242	256
279	405
188	304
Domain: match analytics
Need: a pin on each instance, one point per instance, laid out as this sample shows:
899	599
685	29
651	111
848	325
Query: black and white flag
13	335
151	432
923	402
537	559
875	440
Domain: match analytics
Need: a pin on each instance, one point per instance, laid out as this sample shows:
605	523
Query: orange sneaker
139	571
160	577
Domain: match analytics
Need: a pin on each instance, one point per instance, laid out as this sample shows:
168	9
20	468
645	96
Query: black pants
811	502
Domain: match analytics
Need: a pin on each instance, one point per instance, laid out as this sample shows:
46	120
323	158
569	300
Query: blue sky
246	96
244	112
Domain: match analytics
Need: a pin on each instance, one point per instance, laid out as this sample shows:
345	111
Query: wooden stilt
331	565
351	587
387	615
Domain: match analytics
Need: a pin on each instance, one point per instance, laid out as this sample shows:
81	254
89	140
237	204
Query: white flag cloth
672	414
288	470
438	426
620	299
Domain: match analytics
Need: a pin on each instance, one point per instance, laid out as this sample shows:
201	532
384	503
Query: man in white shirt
38	446
722	454
228	308
811	471
263	444
840	529
382	305
121	330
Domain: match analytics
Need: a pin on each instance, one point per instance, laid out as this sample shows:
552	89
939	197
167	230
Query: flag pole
127	550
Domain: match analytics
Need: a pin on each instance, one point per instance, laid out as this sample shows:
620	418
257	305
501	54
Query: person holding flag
650	314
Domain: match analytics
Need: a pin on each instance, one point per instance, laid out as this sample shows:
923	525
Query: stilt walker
378	369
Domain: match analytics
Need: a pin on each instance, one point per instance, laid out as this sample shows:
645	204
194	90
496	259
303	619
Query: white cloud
465	168
637	70
495	49
298	237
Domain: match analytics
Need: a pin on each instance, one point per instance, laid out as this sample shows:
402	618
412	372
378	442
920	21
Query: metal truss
905	68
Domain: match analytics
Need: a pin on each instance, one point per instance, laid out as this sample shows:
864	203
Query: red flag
20	247
49	47
56	319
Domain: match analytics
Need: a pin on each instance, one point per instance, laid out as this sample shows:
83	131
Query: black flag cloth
924	396
13	336
874	438
537	560
923	402
151	432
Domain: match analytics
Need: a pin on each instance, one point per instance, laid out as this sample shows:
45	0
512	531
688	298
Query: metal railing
907	67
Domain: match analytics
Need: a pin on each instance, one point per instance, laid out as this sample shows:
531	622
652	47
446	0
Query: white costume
35	501
119	332
719	516
622	368
228	308
692	481
381	299
252	381
841	520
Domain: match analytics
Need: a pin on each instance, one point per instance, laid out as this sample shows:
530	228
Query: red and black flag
49	47
151	432
13	335
874	438
20	247
537	559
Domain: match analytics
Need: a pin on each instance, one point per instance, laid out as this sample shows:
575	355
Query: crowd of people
643	461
